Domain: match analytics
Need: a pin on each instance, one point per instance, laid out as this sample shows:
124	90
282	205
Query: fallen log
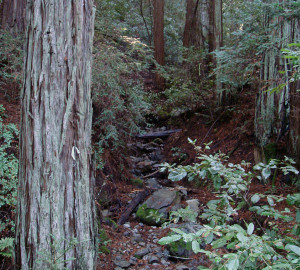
132	205
158	134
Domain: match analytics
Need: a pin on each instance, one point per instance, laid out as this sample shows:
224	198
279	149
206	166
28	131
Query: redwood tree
159	42
12	14
55	210
277	111
192	35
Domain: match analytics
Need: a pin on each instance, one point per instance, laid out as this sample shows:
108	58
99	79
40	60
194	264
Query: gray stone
137	238
126	225
145	166
182	267
152	183
153	259
194	205
161	198
141	253
127	234
122	263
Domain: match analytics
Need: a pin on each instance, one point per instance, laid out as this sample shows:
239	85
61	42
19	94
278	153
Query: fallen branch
132	205
158	134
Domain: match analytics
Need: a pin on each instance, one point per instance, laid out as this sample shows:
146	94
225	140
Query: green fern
6	247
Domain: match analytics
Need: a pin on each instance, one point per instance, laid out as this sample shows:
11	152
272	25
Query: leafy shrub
244	249
11	61
8	172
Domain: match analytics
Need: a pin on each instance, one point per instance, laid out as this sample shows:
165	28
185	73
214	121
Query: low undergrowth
232	243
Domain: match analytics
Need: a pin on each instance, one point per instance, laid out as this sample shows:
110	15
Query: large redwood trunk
159	42
55	209
215	41
277	111
192	35
12	15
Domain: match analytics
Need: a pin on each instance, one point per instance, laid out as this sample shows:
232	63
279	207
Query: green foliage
55	259
245	248
182	214
8	171
266	169
150	216
103	241
212	168
11	62
138	182
118	93
6	247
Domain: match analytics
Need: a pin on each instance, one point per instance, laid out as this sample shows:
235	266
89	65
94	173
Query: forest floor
232	133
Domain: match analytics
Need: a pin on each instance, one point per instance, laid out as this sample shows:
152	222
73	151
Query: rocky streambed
133	242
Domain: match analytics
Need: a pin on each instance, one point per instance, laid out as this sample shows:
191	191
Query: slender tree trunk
159	42
13	15
55	210
274	114
215	41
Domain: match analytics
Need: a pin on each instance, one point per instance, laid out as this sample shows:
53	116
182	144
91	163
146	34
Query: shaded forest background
225	72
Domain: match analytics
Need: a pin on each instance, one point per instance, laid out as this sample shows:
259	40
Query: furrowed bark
276	111
159	42
55	193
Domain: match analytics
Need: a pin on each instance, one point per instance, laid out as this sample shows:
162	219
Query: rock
155	210
126	225
182	267
153	259
127	234
152	183
194	205
162	198
145	166
137	238
141	253
133	260
122	263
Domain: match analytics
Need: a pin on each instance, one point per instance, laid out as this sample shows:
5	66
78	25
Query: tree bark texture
159	41
55	210
12	15
215	41
278	111
192	35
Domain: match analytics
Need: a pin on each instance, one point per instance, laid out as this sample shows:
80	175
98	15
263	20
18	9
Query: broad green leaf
293	248
219	243
270	201
209	238
266	172
196	247
255	198
241	237
177	231
169	239
175	175
250	228
233	264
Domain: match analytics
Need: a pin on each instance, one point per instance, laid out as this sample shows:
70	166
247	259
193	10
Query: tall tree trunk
55	209
12	15
272	115
294	134
192	35
159	42
215	41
